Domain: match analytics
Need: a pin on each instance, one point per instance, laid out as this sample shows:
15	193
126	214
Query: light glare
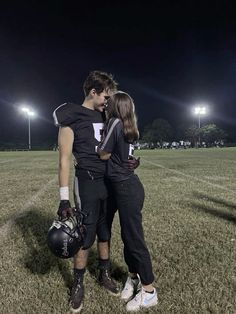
30	113
24	109
200	110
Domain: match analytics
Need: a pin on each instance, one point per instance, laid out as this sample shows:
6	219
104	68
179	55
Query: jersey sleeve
111	134
66	114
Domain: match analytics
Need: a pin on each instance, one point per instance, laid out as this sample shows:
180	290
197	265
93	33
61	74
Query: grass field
189	220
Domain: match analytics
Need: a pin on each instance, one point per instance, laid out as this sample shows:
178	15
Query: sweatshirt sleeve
111	134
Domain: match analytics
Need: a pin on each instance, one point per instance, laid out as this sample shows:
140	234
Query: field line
5	229
5	161
189	176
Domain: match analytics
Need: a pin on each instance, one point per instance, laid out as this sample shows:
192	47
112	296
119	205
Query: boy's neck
88	104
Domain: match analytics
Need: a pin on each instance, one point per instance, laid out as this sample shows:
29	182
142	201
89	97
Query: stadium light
199	111
29	113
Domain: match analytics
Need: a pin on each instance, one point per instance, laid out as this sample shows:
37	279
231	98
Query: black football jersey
114	142
87	126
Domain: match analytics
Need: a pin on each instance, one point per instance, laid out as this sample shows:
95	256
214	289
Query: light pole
199	111
29	113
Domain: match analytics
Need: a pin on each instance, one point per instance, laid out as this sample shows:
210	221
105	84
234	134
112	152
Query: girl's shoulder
114	123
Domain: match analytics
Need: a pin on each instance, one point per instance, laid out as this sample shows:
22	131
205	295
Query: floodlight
29	113
200	110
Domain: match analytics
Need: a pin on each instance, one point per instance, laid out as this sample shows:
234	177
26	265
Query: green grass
189	220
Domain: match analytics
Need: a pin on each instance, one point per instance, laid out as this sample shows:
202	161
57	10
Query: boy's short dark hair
100	81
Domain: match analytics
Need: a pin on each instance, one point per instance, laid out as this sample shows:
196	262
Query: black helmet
65	237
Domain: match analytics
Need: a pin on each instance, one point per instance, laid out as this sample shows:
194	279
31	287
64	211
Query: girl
117	145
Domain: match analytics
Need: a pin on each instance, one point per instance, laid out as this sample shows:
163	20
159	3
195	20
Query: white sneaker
131	287
142	300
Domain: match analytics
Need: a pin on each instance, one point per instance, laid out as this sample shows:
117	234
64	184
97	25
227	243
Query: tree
192	134
158	131
210	133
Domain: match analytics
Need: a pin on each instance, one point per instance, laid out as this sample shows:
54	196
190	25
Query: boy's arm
65	143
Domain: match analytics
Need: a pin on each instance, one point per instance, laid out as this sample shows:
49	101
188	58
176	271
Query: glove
132	163
64	209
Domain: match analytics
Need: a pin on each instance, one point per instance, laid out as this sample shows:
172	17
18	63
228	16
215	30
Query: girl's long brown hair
121	106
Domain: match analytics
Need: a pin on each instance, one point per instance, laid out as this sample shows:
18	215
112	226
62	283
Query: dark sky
169	56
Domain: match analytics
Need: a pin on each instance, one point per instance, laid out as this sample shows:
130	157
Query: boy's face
100	100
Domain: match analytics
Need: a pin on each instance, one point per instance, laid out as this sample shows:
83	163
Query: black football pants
90	196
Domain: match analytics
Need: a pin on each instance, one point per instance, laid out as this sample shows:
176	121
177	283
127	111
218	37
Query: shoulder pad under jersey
66	114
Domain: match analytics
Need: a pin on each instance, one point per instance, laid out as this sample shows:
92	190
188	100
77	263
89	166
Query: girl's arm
106	147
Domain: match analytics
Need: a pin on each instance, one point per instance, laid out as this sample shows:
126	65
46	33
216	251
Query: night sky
168	56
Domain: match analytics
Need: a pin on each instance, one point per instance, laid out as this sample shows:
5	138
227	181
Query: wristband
64	193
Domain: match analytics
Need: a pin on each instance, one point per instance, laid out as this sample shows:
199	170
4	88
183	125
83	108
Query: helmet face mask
65	237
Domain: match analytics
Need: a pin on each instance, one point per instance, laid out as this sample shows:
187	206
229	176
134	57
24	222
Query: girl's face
110	104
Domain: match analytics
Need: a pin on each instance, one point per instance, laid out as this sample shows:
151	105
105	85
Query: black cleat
77	295
107	282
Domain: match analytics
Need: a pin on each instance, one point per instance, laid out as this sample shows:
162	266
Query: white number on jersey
131	150
98	127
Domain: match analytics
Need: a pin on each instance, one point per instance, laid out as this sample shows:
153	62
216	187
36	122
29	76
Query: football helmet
65	236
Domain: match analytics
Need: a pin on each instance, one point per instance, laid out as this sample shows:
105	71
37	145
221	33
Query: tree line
160	131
